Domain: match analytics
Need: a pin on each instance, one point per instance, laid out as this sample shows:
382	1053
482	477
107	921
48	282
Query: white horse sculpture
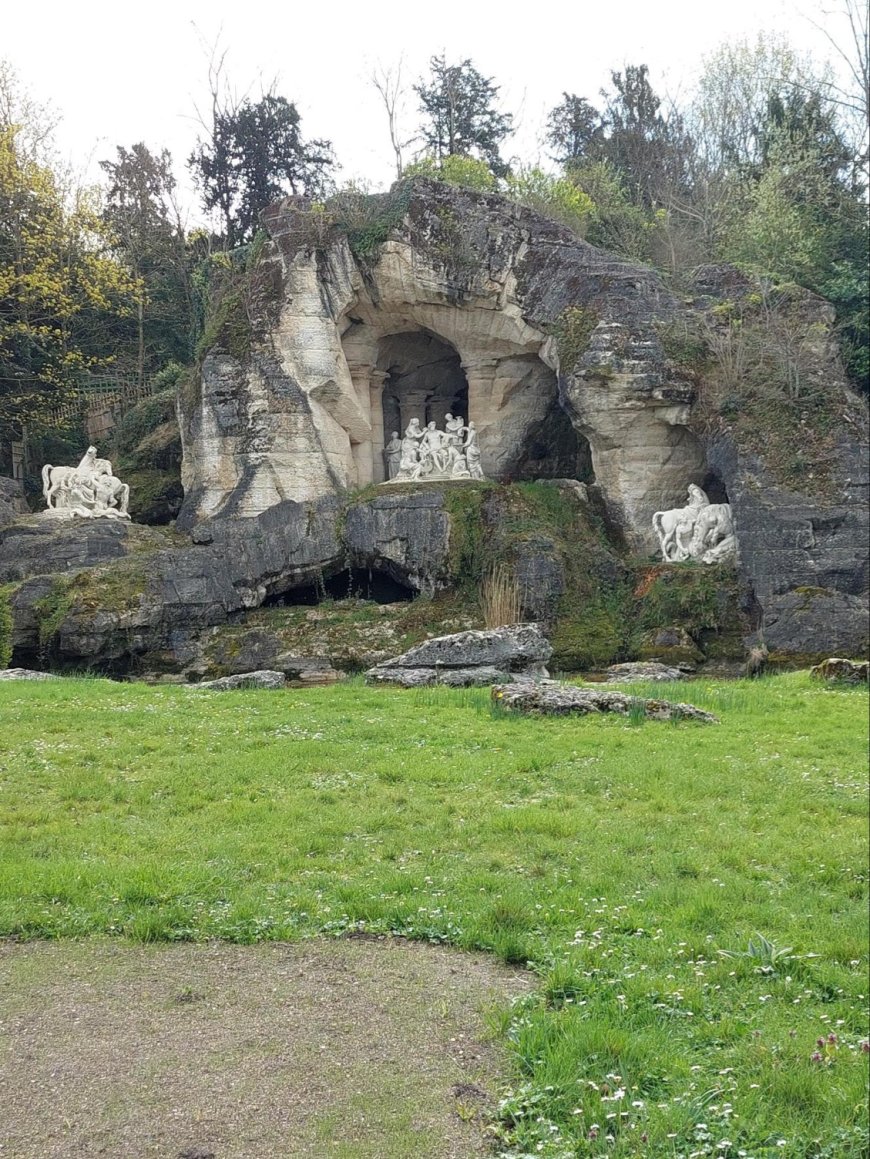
675	528
701	530
88	490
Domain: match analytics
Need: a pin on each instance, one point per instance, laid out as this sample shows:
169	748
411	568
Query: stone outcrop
462	659
472	305
555	350
406	535
837	670
805	559
550	698
302	413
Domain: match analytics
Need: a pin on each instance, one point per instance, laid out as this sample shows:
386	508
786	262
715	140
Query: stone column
377	378
367	451
481	375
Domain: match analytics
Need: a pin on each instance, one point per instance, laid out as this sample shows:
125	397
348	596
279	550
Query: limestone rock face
406	535
31	546
805	559
12	503
468	289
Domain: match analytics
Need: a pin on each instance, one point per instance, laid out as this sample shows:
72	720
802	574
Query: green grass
618	857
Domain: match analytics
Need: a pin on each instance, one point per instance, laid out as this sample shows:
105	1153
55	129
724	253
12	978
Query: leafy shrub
467	172
554	197
368	218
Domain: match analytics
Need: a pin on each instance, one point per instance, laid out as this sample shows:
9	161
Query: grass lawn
620	858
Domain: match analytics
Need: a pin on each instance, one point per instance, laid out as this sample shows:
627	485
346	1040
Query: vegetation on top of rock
761	365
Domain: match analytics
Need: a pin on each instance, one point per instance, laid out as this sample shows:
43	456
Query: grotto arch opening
423	379
404	370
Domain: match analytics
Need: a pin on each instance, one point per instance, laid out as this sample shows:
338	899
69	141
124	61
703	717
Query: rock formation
473	305
455	303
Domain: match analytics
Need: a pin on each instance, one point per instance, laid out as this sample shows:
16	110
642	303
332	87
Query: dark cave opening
355	583
714	488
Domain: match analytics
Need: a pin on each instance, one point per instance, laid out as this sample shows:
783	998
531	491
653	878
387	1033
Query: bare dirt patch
347	1048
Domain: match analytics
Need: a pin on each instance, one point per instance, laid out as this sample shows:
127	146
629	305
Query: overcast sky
119	74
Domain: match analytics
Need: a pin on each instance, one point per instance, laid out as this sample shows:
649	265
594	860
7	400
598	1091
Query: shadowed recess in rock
355	583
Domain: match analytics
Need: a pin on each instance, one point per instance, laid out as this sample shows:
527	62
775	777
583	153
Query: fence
98	402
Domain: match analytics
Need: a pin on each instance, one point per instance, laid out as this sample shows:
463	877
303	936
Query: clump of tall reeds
500	597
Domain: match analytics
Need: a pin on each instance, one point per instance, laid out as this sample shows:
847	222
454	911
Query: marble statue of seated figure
434	447
454	429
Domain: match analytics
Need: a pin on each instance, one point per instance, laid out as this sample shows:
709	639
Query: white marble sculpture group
701	530
89	490
429	454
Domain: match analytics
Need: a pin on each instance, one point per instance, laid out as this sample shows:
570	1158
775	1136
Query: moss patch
572	331
6	624
116	588
703	600
353	634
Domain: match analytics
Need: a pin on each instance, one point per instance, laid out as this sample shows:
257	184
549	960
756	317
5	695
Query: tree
460	116
730	109
388	84
650	150
851	44
253	153
63	297
575	131
144	220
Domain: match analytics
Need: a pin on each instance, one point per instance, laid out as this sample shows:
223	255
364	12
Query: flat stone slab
26	674
636	671
265	678
451	677
842	671
550	698
512	649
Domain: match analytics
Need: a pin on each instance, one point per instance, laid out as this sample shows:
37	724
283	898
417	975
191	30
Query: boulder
25	674
842	671
517	652
550	698
262	679
516	648
672	646
639	671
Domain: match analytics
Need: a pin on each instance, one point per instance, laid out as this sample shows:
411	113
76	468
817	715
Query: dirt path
348	1048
